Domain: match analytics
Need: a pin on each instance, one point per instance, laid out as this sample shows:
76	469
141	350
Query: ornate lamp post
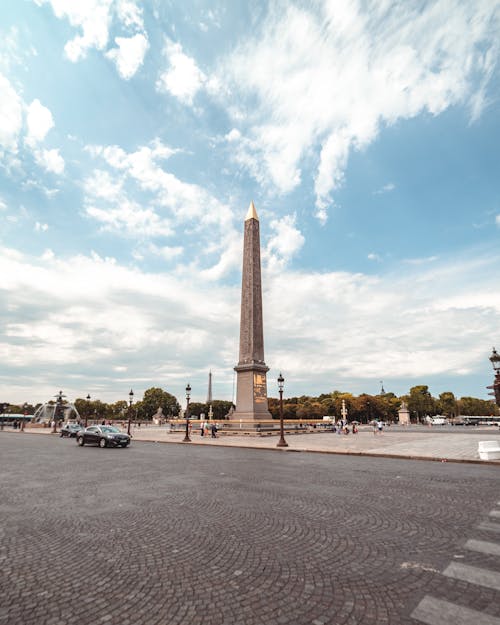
57	411
495	361
186	438
130	400
87	410
25	409
282	442
3	408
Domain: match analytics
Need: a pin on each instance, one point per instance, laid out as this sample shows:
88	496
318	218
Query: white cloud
94	19
130	14
497	220
183	78
129	54
11	119
39	121
373	256
138	198
320	82
328	328
50	160
387	188
39	227
286	241
91	16
166	252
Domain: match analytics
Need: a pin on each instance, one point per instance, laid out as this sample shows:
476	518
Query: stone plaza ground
218	535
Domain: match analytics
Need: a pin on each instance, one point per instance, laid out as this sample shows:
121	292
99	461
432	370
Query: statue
158	416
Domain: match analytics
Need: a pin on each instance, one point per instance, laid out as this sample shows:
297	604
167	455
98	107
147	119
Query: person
380	426
202	428
214	430
354	428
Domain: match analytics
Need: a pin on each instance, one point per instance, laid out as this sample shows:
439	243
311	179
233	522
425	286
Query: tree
447	404
421	402
153	399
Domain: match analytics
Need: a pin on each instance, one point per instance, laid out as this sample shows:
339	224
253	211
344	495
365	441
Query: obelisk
251	385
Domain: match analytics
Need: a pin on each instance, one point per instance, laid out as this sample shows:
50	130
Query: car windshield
109	428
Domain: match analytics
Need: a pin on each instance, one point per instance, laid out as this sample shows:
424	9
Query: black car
102	435
71	429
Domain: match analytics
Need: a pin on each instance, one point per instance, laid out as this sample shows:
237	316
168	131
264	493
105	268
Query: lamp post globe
130	400
282	442
186	438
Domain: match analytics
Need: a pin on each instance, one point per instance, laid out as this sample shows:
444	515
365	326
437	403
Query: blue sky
133	136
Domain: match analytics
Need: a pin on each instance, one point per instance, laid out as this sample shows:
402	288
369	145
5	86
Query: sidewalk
425	444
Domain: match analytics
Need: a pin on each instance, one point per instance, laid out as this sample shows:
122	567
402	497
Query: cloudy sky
133	136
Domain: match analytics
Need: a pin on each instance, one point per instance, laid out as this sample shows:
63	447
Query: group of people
206	427
341	427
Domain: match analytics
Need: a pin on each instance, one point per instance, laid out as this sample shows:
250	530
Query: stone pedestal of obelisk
251	370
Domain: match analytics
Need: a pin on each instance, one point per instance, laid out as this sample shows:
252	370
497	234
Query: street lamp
25	408
130	400
87	410
495	361
188	395
58	410
282	442
3	408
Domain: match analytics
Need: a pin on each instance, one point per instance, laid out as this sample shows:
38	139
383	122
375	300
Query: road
177	534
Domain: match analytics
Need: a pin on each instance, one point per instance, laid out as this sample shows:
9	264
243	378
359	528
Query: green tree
421	402
447	404
153	399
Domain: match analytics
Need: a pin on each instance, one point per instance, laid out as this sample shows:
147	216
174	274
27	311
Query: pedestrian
202	428
214	430
354	428
374	423
380	426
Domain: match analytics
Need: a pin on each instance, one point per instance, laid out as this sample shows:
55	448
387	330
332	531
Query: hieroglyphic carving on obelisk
251	384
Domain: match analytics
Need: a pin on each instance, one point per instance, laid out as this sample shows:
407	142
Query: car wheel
102	443
125	445
61	434
80	441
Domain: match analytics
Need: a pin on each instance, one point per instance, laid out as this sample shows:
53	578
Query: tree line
363	408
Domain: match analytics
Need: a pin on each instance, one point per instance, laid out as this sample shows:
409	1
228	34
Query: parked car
70	430
102	435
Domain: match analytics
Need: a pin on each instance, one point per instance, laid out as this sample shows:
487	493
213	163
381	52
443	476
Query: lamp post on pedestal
495	362
130	400
282	442
186	438
57	411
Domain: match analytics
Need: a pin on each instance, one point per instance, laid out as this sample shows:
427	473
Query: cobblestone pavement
178	534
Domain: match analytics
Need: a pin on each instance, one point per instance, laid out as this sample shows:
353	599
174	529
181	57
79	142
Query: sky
133	136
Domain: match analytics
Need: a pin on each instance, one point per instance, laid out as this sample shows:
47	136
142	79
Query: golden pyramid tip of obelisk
252	213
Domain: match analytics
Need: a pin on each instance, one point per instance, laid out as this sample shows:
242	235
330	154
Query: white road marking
491	527
495	513
492	549
473	575
438	612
